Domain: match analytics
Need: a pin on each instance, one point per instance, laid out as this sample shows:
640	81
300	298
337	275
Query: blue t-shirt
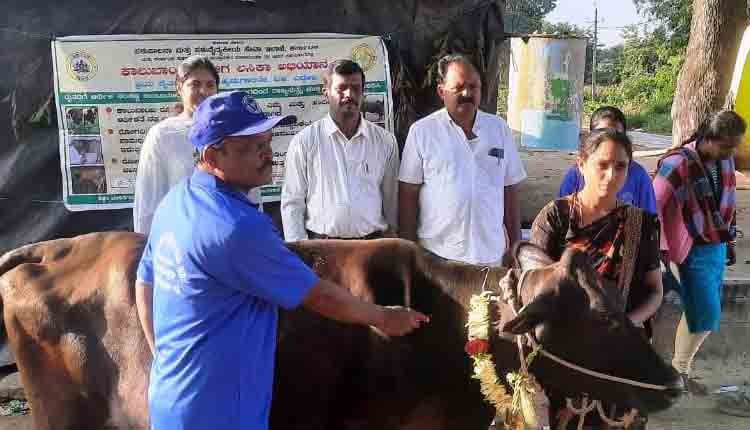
219	270
638	189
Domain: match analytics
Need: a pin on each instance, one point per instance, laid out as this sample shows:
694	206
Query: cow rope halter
479	323
512	296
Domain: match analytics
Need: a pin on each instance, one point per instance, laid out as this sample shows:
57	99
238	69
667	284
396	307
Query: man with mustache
460	168
220	271
340	172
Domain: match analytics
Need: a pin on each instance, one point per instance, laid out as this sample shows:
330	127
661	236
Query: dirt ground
724	359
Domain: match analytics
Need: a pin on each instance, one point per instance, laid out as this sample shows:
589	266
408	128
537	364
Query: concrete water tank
545	97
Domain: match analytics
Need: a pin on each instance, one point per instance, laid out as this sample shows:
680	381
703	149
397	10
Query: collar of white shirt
331	128
477	121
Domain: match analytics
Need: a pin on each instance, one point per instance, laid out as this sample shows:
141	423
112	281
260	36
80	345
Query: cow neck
461	281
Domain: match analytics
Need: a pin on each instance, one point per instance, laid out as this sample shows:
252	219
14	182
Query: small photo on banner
82	120
373	108
88	180
85	150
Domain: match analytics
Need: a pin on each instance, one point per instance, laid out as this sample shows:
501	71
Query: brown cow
70	315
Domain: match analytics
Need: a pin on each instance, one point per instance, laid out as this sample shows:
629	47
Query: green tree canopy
672	16
525	16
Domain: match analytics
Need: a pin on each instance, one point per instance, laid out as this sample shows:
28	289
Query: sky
612	14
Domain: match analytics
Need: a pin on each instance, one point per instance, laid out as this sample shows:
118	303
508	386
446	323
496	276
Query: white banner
111	89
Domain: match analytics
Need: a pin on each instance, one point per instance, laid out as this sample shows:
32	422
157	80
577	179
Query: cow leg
49	388
428	415
312	372
446	411
51	359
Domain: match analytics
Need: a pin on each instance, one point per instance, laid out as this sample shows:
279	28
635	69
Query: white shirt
340	187
461	199
166	158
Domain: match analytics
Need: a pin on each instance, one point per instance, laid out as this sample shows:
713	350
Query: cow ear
529	256
577	266
531	315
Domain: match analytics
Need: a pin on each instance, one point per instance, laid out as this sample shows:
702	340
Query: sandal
692	386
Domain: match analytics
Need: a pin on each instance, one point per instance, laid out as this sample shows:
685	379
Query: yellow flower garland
518	409
484	368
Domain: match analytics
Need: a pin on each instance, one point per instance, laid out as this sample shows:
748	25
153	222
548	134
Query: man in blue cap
219	271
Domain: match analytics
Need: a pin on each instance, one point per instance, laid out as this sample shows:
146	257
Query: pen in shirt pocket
498	153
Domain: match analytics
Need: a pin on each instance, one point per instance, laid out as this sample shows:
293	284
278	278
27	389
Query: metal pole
593	65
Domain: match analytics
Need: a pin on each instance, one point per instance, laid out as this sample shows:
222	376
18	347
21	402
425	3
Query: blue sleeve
264	267
145	271
571	183
646	198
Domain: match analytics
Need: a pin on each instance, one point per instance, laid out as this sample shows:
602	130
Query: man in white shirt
458	177
340	176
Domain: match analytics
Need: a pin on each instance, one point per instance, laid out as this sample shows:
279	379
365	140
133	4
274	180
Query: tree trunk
702	87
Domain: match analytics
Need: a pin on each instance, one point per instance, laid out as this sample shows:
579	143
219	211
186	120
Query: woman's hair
724	124
191	64
597	137
610	113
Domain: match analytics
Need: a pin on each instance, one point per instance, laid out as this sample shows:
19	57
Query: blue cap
229	114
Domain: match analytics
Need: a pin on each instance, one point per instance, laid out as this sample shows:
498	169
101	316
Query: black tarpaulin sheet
417	32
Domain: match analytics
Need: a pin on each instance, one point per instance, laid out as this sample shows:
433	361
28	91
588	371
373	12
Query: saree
622	246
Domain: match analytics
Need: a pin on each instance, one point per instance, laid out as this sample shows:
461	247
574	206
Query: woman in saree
621	241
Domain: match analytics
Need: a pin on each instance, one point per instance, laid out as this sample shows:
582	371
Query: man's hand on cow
398	321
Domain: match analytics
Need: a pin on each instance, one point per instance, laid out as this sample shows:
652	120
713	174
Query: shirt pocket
441	169
490	168
369	176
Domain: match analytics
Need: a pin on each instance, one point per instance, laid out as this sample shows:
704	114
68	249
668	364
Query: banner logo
365	56
82	66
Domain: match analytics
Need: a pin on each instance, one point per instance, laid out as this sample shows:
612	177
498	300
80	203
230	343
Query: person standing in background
695	190
166	155
459	174
340	177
